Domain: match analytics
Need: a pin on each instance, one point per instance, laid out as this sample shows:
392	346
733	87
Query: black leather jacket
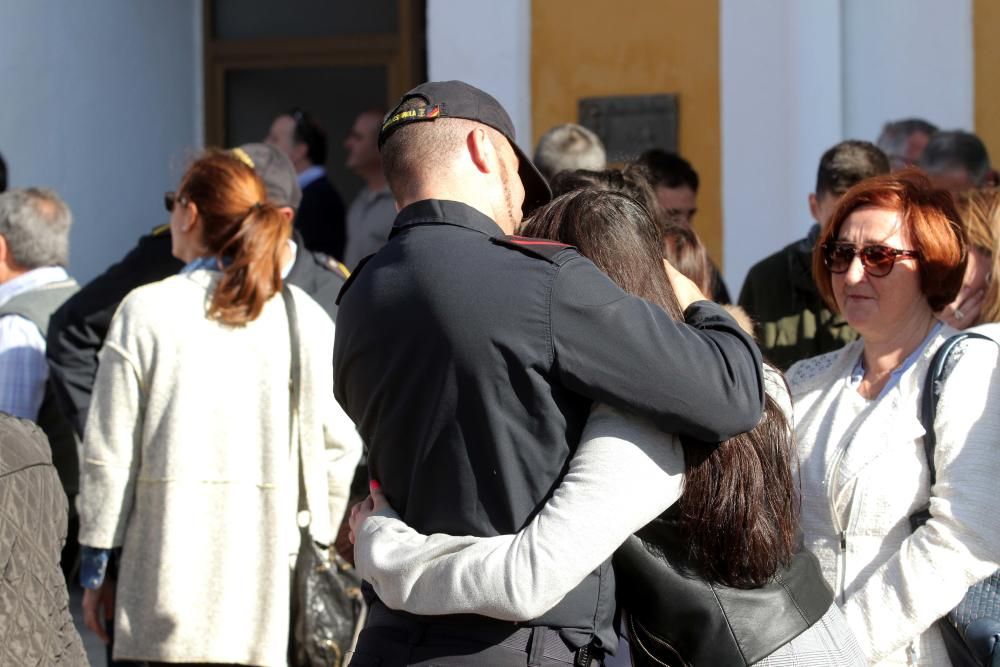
677	618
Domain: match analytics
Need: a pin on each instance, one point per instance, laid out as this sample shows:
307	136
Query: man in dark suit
320	218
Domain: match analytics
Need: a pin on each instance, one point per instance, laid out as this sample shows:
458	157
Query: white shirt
23	369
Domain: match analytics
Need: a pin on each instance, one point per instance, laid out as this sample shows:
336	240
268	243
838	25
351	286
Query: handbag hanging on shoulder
971	630
328	609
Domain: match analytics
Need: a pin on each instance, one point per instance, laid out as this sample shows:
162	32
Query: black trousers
395	646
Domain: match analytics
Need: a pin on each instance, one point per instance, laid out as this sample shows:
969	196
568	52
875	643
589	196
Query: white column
907	58
798	77
781	107
487	44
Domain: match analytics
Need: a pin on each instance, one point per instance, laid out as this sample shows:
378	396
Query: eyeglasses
171	199
877	260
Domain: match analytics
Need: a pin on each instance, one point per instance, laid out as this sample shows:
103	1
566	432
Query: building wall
102	102
108	106
485	43
907	58
986	55
583	48
781	107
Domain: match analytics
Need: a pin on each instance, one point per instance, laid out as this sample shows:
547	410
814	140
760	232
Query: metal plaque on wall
630	124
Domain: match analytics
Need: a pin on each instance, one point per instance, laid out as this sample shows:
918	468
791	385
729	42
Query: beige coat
186	465
864	472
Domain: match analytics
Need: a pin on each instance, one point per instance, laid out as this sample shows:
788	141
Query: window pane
334	96
263	19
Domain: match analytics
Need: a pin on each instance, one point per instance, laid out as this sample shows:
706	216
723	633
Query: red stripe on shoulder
527	240
540	248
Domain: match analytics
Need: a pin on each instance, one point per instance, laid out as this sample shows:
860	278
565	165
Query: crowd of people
513	393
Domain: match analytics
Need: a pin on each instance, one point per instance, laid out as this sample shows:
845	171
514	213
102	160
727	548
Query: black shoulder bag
328	609
971	630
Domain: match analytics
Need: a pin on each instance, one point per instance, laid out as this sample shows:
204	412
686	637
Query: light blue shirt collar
211	263
310	175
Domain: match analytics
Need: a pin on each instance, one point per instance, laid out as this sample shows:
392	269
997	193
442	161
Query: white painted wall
487	44
922	66
781	106
797	77
102	101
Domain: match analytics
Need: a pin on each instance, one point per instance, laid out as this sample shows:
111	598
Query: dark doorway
331	58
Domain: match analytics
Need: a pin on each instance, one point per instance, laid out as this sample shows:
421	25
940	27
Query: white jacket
187	466
864	472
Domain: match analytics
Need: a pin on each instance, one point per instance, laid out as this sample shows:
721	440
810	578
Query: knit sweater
864	472
187	466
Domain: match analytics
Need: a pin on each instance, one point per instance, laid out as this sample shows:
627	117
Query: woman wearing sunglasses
891	256
188	465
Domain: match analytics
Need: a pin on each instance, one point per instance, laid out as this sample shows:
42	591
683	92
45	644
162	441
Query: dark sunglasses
171	199
877	260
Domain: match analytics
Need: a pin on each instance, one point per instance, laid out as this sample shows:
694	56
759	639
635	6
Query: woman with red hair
891	256
191	456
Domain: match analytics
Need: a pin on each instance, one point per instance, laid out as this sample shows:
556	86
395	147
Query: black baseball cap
457	99
275	170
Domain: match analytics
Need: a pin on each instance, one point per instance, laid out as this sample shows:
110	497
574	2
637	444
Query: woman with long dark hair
190	458
717	579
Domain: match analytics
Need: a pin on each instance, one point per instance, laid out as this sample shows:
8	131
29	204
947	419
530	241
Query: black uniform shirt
469	363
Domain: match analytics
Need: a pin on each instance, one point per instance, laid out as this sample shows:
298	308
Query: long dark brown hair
244	231
739	510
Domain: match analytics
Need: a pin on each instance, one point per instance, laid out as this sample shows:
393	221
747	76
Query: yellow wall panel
986	78
584	48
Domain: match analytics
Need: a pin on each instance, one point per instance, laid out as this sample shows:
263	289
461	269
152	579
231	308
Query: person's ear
481	150
191	217
4	249
300	151
287	212
814	206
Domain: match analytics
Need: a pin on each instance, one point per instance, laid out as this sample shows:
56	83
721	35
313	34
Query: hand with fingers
685	289
99	608
375	502
963	312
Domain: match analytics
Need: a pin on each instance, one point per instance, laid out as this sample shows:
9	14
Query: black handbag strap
294	388
933	386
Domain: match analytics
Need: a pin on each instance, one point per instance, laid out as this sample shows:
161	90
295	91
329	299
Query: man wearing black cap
78	329
469	359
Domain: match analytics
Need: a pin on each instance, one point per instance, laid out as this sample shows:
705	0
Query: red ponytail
241	227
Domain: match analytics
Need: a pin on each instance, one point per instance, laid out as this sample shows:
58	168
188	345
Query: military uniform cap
457	99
